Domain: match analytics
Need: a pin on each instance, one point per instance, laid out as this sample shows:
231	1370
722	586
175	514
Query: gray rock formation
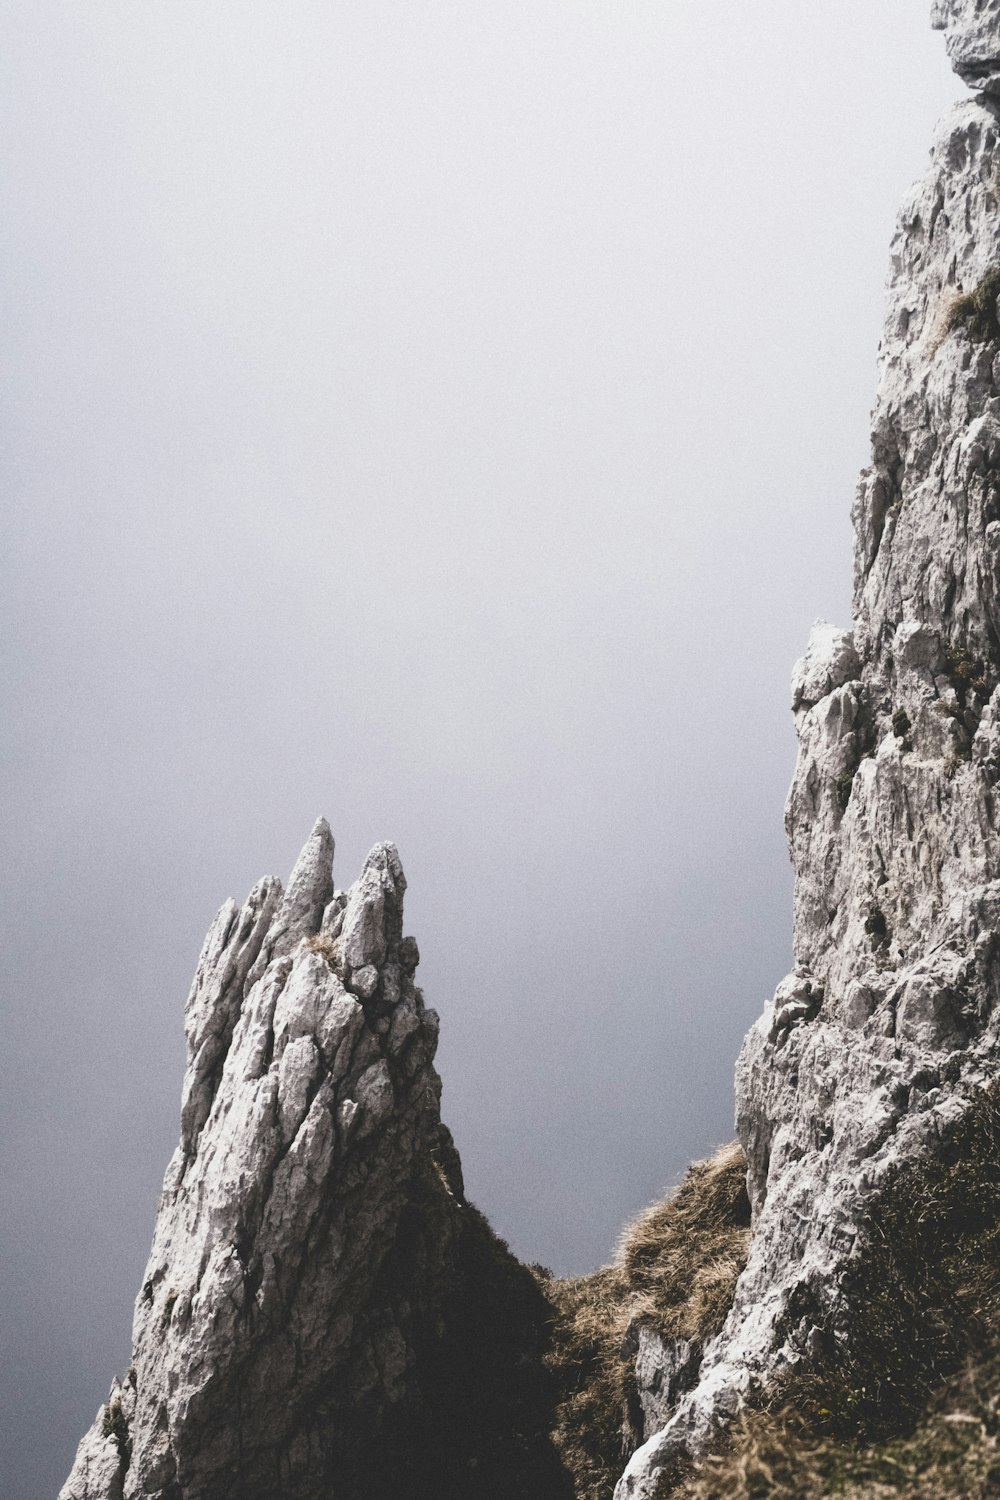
874	1047
322	1314
972	35
665	1370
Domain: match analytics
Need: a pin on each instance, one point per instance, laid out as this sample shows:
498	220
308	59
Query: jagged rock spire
311	1323
311	1312
305	1119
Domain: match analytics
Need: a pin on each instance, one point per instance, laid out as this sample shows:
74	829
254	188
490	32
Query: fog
444	418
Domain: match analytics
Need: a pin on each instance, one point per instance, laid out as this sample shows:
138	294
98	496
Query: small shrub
115	1424
968	674
974	312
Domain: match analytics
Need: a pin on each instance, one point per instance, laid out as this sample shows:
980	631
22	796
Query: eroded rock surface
874	1047
972	34
322	1314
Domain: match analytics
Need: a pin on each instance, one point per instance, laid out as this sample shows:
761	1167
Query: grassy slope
676	1270
906	1400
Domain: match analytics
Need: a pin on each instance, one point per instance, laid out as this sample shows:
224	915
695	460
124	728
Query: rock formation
875	1047
972	35
322	1314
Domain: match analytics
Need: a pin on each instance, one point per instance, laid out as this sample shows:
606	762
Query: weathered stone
323	1316
103	1455
665	1369
873	1049
972	34
830	661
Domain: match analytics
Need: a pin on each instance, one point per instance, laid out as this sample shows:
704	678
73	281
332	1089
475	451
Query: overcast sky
445	418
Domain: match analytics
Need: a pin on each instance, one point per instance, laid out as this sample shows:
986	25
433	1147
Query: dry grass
952	1454
675	1270
323	944
682	1258
596	1383
975	312
328	948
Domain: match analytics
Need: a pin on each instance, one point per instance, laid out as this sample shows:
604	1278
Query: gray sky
444	418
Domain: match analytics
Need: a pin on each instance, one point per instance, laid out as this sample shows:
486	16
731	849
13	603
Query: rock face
322	1314
874	1047
972	35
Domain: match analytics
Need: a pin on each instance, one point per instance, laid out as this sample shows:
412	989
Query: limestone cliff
876	1047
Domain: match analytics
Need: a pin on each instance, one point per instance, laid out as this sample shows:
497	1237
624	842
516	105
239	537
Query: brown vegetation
675	1270
326	946
907	1400
974	312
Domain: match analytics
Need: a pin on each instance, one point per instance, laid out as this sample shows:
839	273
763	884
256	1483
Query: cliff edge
879	1044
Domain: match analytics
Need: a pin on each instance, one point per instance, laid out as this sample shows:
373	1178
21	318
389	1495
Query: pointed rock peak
972	36
311	881
310	887
373	920
322	1311
385	859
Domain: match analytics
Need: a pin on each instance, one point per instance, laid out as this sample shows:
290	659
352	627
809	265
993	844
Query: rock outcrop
323	1314
875	1048
972	35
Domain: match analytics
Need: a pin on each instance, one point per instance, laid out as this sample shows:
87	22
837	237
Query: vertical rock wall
874	1047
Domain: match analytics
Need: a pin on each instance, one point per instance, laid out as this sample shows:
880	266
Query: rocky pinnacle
874	1047
303	1325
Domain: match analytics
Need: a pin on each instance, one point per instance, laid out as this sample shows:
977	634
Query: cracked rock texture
321	1308
873	1048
